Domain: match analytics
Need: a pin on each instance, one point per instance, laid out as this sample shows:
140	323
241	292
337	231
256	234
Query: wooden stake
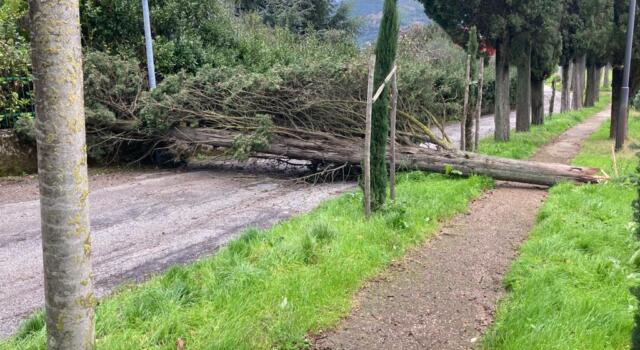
553	97
394	112
615	161
367	139
476	145
465	109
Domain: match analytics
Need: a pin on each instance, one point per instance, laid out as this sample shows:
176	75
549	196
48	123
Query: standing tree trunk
476	145
599	71
615	99
502	107
592	83
571	80
537	101
56	56
606	83
564	98
386	47
472	52
524	103
465	108
578	87
552	103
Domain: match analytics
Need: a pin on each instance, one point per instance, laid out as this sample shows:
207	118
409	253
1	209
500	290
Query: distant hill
411	11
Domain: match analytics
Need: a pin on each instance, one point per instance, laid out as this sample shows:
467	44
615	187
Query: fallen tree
322	147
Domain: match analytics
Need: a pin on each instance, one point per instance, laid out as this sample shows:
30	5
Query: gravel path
443	294
146	221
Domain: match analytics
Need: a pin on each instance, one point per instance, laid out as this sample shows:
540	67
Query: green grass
597	151
525	145
269	289
570	288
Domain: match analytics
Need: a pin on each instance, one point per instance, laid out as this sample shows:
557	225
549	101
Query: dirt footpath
142	223
443	295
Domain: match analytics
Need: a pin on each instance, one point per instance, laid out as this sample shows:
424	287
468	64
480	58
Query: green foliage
270	289
189	34
245	144
386	49
302	16
15	94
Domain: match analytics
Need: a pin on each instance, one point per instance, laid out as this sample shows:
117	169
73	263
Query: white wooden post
367	139
394	112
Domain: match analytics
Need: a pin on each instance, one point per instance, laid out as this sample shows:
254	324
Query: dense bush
15	97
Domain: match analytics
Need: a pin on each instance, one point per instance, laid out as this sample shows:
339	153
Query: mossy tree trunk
386	48
62	167
502	107
523	108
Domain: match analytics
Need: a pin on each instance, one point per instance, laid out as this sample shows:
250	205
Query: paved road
144	222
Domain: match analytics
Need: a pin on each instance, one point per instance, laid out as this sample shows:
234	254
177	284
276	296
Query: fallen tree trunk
327	148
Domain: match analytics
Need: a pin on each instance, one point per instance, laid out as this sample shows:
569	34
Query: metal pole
149	44
621	131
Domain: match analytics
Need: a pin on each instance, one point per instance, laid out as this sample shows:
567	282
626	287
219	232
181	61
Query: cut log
330	149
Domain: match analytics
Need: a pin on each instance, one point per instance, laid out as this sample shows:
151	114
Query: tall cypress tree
386	48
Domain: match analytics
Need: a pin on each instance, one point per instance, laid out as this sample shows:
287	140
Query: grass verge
571	286
525	145
268	289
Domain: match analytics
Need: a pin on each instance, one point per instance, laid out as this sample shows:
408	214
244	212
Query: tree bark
476	141
537	101
596	87
571	80
502	107
56	56
465	108
578	88
524	103
564	97
616	85
327	148
552	103
592	82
